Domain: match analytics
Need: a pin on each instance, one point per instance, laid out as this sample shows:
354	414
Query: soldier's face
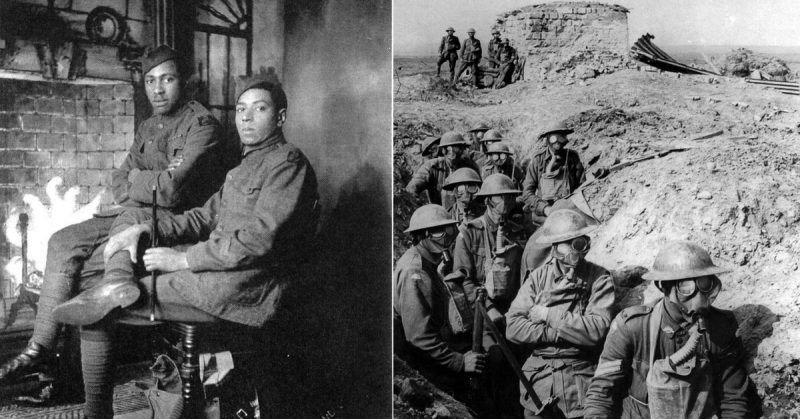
556	141
453	152
162	84
257	117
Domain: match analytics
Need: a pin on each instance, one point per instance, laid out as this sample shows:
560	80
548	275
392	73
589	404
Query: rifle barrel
153	243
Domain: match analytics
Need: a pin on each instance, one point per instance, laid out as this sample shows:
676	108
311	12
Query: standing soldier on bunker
448	52
430	176
471	54
494	48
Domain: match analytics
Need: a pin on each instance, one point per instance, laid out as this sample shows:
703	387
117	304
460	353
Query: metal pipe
153	243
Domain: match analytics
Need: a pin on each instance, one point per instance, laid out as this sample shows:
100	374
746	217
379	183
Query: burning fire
43	221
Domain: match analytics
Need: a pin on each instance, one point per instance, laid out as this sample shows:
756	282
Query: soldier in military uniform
681	336
179	149
464	183
500	159
489	137
553	173
562	313
424	336
494	48
246	244
476	133
506	60
487	253
471	54
448	52
430	176
430	147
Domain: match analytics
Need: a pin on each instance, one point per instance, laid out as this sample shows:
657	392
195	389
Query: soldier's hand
474	362
538	313
174	163
127	239
132	174
547	210
164	259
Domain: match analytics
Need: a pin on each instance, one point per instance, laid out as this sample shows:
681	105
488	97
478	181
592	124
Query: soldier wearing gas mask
500	159
679	357
562	313
487	253
464	183
429	334
430	176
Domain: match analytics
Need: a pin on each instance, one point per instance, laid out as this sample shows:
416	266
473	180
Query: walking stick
153	243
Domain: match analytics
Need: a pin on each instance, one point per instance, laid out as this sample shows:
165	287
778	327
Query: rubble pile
415	397
743	62
568	39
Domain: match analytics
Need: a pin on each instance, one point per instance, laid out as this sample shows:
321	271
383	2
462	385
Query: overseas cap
245	83
682	260
157	56
429	216
562	225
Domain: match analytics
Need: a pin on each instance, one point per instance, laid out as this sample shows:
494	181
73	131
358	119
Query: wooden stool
187	319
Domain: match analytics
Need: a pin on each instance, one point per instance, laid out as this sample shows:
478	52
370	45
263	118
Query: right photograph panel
595	209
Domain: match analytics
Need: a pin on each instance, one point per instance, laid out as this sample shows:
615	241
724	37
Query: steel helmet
479	127
562	225
495	31
428	143
500	147
470	30
557	127
452	138
681	260
462	175
492	135
429	216
497	184
450	29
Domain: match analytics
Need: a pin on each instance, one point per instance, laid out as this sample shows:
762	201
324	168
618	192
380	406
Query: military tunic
420	308
494	50
540	190
190	132
509	168
430	177
566	345
448	52
250	236
471	54
619	388
469	255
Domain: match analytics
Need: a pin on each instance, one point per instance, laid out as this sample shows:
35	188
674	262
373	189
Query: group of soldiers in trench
504	65
497	276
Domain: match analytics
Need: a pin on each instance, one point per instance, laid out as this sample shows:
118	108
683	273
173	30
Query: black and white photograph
196	209
595	209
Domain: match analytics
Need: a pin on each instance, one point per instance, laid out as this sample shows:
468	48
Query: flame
42	223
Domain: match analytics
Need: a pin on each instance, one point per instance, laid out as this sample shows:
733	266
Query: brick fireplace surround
80	132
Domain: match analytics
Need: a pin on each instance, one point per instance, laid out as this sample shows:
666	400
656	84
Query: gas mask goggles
571	252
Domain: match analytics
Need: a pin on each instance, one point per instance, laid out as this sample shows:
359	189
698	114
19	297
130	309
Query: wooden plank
63	60
706	135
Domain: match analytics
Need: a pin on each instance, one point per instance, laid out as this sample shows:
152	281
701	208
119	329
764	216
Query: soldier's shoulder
724	317
290	153
597	271
475	224
632	313
199	112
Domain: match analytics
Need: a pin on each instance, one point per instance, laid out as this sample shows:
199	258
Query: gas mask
695	295
465	192
501	205
441	238
498	159
452	153
572	252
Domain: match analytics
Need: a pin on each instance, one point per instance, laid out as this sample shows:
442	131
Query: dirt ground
737	194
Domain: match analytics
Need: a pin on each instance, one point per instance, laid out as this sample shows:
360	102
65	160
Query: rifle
501	341
153	243
477	338
619	166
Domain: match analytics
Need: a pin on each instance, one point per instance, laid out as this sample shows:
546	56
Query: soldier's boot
93	305
27	362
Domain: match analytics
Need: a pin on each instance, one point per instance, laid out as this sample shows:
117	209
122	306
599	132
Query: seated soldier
424	336
248	238
178	149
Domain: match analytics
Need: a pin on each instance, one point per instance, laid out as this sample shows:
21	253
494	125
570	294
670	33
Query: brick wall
79	132
557	37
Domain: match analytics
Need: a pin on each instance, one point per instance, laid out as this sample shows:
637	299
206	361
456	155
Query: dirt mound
742	62
416	398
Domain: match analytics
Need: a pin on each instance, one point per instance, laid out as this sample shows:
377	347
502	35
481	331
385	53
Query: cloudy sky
419	24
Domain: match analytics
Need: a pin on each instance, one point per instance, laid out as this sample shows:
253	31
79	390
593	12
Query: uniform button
230	177
160	126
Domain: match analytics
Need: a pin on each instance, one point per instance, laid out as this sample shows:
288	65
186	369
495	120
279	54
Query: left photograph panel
195	199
